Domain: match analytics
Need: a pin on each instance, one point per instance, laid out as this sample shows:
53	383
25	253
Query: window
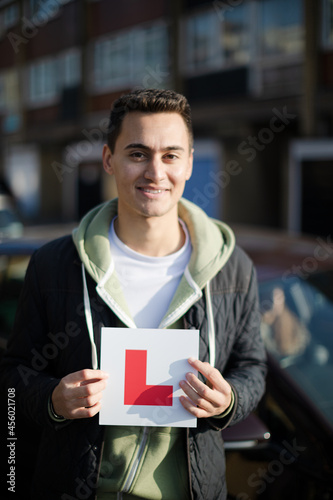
303	346
281	27
9	90
70	68
10	101
112	58
310	181
134	57
46	8
236	39
11	16
48	77
2	93
153	43
217	38
12	272
204	42
43	81
327	23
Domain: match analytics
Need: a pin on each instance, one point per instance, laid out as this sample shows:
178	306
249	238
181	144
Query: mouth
152	191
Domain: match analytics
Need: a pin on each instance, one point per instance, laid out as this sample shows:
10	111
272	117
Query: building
258	74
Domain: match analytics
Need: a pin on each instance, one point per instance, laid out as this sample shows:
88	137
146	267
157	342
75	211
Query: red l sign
137	392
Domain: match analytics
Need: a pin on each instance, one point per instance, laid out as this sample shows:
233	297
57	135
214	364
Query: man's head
149	153
148	101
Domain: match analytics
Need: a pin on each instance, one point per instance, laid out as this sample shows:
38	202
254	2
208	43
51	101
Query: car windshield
12	272
297	327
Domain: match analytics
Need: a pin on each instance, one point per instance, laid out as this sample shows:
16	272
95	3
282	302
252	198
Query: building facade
258	75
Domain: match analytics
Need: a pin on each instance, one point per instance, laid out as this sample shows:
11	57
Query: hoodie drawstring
211	326
88	315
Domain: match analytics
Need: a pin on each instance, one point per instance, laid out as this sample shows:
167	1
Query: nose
155	170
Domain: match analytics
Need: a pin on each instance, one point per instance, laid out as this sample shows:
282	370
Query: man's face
151	162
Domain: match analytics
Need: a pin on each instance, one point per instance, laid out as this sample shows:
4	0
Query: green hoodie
141	460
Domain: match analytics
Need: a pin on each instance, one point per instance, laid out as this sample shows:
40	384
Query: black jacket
50	340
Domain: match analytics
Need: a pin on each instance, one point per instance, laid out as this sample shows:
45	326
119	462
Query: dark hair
148	101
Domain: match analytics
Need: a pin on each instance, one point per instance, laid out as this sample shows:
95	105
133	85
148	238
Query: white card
145	367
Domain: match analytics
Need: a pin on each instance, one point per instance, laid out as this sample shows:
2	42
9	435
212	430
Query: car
284	448
10	224
15	253
14	258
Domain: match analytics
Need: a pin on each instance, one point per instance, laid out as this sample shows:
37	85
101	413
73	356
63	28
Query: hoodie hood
212	243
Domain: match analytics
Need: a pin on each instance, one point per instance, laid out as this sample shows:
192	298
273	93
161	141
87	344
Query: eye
171	156
137	155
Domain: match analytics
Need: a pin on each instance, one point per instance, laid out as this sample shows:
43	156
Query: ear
190	166
107	160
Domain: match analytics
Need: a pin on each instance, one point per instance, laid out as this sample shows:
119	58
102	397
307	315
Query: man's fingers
193	409
85	376
78	394
198	399
203	392
86	412
205	399
89	389
83	384
210	373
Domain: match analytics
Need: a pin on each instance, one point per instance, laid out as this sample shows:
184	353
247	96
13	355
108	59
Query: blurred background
258	75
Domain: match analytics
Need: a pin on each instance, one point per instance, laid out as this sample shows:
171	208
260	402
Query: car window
12	272
297	320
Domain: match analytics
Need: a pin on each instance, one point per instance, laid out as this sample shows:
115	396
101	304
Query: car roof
20	246
34	237
277	252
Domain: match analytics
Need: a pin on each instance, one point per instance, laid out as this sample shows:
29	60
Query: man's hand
205	400
79	394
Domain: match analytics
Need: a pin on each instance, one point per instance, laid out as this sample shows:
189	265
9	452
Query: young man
148	259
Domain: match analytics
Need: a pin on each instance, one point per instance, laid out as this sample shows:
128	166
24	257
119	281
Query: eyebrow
147	148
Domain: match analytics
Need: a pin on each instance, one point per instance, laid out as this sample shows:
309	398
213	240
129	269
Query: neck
152	236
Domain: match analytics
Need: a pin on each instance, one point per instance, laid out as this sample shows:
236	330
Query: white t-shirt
148	283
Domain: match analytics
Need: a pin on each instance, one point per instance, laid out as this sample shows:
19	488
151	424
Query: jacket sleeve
245	369
26	363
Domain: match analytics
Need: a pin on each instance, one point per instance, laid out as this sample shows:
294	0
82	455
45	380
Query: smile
151	191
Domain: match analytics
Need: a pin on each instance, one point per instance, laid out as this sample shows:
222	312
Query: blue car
284	450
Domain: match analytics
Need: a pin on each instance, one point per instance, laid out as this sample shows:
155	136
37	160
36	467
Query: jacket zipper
132	473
